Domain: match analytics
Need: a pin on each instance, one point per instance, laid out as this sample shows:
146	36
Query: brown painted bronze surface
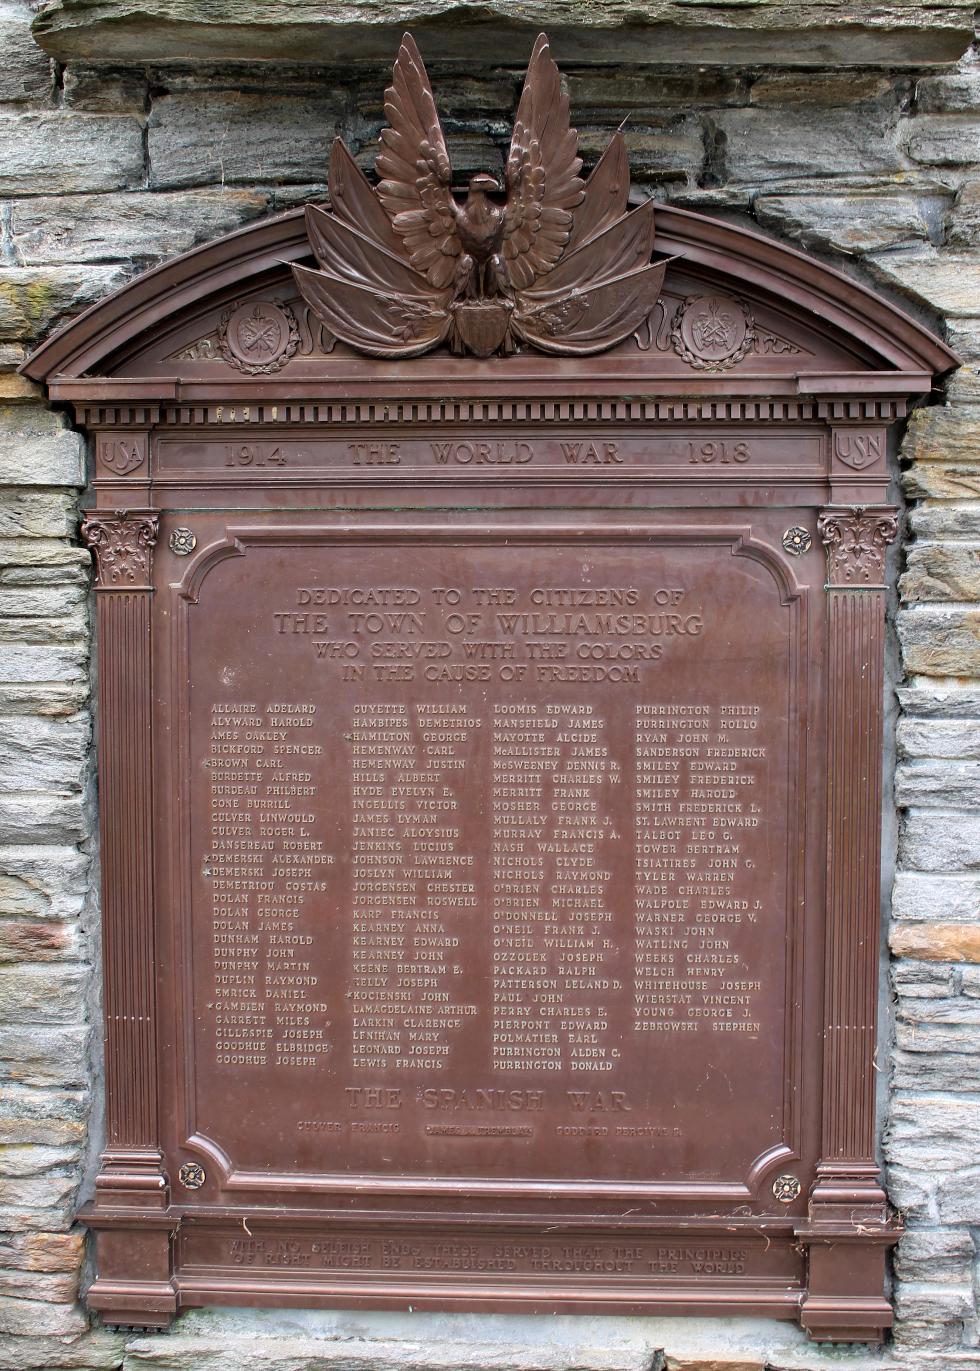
490	776
560	266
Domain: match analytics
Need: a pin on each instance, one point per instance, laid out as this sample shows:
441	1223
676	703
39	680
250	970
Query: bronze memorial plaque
491	614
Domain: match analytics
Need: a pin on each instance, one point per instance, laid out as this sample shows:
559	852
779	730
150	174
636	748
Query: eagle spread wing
416	171
542	174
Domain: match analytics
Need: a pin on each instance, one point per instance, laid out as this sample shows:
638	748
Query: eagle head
483	182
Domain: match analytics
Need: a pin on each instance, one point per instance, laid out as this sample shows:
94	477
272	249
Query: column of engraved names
413	894
697	794
554	961
267	871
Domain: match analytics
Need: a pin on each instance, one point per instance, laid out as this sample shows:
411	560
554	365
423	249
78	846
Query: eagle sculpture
548	259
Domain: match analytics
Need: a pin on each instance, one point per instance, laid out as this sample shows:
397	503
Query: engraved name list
476	851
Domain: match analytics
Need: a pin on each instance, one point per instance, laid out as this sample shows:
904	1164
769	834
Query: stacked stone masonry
108	167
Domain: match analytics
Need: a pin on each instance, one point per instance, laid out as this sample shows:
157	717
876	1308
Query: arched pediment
794	324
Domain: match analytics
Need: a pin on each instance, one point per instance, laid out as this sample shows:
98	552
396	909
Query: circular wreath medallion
258	337
712	332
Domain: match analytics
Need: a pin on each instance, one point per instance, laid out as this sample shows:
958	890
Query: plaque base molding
153	1265
134	1287
849	1232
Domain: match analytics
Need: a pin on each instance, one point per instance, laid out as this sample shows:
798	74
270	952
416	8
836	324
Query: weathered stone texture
202	138
956	93
766	145
26	72
939	942
210	1353
126	227
692	32
51	151
947	282
34	299
941	642
942	571
857	223
944	142
963	223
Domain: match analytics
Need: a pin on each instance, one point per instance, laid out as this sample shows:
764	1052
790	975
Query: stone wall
109	166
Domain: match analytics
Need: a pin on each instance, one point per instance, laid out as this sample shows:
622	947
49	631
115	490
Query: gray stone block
673	152
937	571
489	95
48	1116
37	514
32	994
917	896
36	1192
928	1315
36	1159
52	1288
44	881
935	1254
944	481
970	982
39	753
70	627
26	72
105	90
51	151
37	448
203	1353
51	698
957	93
959	1197
933	1132
922	979
912	1192
765	145
940	642
33	300
949	520
944	140
42	663
44	816
945	784
948	282
202	138
963	221
33	598
931	698
939	1070
950	738
36	1316
847	223
936	1025
646	92
126	227
89	1351
963	336
14	1219
796	33
41	1056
